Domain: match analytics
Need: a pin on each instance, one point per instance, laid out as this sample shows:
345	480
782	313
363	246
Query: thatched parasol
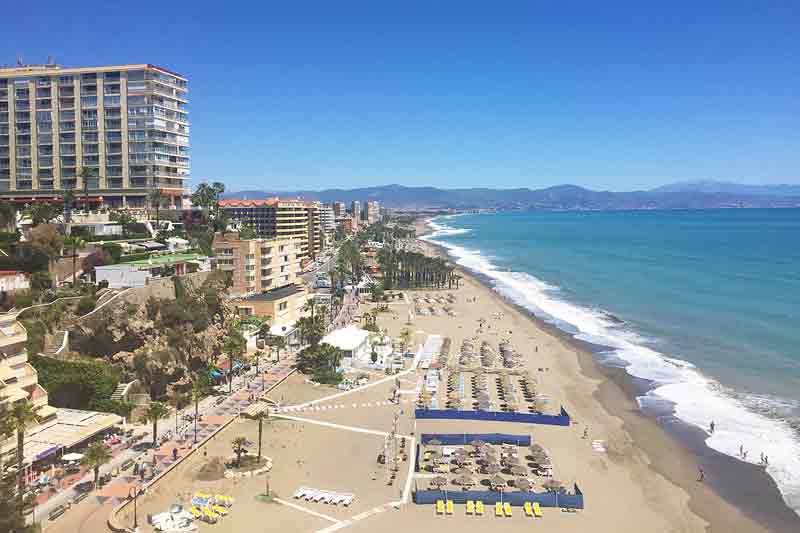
553	485
492	468
461	451
434	442
464	481
477	443
519	471
438	481
498	482
523	484
461	471
536	448
511	460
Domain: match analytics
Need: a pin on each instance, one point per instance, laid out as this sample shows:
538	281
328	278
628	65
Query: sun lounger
470	507
348	499
319	496
201	494
537	510
327	498
220	510
222	499
196	512
310	494
439	507
528	508
479	508
301	492
507	509
450	506
498	509
209	515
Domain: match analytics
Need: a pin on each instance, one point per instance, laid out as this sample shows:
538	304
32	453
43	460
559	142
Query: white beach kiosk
353	342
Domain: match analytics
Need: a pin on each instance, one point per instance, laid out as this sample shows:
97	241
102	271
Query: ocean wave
757	424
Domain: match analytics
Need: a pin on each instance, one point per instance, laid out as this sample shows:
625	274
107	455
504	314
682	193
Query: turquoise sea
704	305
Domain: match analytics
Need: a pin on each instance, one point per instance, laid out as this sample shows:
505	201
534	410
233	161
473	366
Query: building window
282	306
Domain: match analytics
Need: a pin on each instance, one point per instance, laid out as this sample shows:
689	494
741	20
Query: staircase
56	347
119	392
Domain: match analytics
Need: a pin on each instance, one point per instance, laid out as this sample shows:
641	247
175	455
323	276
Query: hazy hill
709	186
558	197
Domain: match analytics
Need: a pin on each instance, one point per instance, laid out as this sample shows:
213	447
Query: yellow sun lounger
210	515
449	506
195	512
439	507
222	499
537	510
201	494
507	509
528	508
498	509
479	508
220	510
470	507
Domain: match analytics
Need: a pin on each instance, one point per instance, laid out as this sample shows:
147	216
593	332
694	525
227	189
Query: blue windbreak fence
545	499
496	416
463	439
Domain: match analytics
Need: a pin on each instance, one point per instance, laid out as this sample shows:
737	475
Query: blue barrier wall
496	416
462	439
518	499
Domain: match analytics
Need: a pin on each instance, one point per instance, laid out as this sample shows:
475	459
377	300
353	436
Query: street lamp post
135	490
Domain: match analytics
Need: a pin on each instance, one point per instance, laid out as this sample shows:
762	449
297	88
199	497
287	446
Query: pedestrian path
328	407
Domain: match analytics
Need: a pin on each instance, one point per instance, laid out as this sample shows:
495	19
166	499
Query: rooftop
348	338
13	70
235	202
274	294
163	260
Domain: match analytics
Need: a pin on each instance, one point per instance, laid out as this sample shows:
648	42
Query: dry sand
622	490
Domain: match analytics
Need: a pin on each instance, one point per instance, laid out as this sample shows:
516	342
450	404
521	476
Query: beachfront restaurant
354	343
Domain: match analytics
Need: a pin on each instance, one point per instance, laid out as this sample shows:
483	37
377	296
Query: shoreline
736	496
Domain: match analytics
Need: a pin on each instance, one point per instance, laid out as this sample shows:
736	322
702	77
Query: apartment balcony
38	396
15	360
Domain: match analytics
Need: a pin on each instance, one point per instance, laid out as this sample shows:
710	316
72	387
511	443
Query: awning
46	411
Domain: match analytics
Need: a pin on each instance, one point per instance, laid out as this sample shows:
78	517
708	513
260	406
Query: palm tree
239	447
260	416
23	416
178	401
75	243
85	174
155	412
155	197
235	345
97	454
8	215
68	199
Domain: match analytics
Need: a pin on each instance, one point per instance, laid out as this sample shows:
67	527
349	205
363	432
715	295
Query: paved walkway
215	411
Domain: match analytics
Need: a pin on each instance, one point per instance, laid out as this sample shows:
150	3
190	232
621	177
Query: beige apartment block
257	265
127	125
281	218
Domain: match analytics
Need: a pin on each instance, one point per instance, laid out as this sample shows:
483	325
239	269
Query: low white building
13	280
176	244
354	343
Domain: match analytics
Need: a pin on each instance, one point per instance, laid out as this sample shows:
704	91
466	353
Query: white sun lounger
310	494
301	492
318	497
348	499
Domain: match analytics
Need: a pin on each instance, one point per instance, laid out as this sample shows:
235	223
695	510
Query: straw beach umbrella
519	471
492	469
498	482
477	443
464	481
511	460
438	481
434	442
553	485
523	484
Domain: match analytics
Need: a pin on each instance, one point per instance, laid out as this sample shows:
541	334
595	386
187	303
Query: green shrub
86	304
75	384
327	377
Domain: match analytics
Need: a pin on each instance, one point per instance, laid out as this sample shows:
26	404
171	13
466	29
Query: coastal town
186	358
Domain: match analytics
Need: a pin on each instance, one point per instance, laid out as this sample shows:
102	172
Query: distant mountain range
687	195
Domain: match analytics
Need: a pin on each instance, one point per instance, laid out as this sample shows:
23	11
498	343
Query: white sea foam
697	399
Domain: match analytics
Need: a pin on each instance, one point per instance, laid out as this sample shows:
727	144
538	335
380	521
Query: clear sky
608	95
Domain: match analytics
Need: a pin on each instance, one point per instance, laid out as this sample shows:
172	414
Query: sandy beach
325	439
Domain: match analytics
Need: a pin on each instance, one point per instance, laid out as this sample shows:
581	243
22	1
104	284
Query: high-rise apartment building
281	218
126	125
258	265
372	212
339	209
355	211
327	219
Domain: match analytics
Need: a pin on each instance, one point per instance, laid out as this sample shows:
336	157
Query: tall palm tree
76	243
8	215
235	345
23	416
85	173
155	412
68	199
155	197
178	401
260	416
97	454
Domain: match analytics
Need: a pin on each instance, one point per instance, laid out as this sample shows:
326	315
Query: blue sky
607	95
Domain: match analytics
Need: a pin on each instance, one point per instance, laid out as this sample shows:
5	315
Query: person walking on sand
586	432
741	450
712	427
701	474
